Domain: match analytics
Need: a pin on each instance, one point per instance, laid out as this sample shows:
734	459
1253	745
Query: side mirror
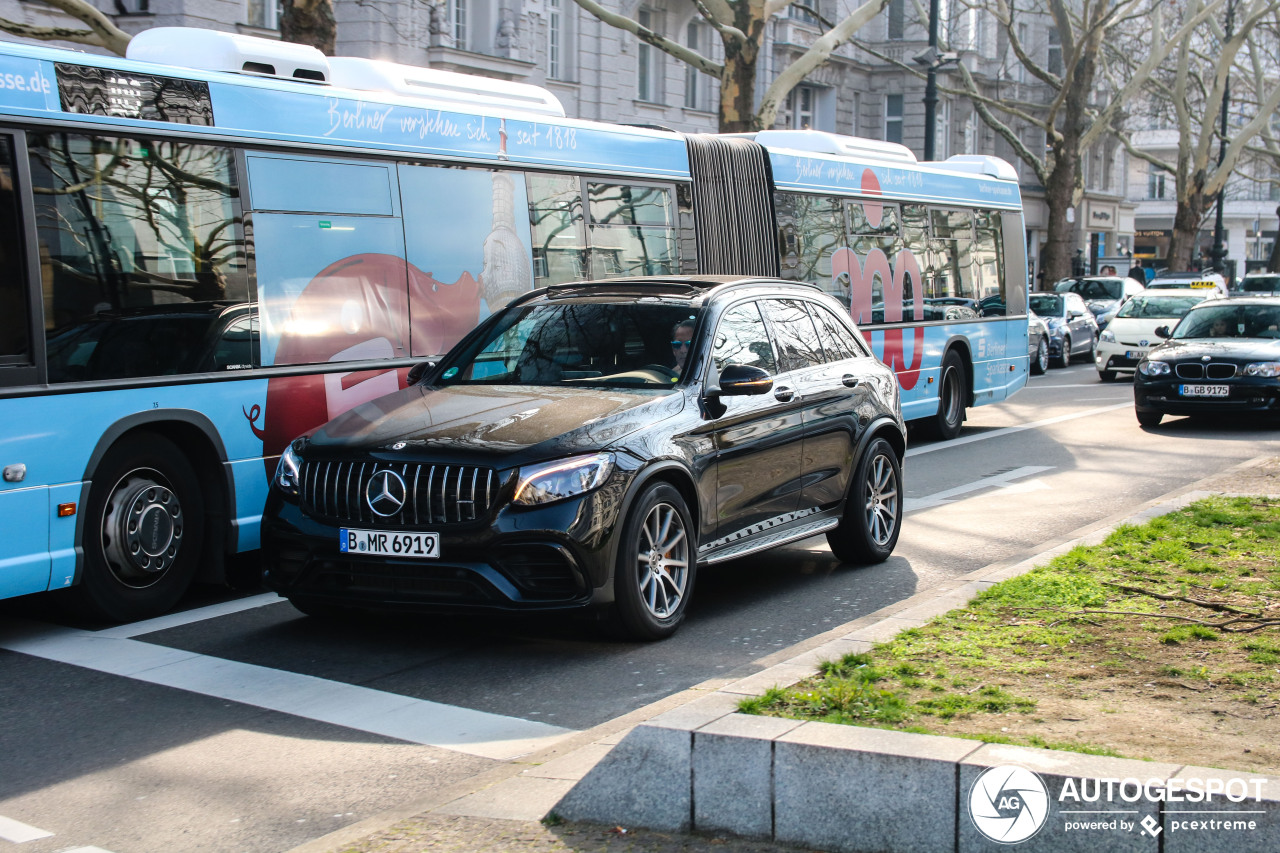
1162	331
1075	312
416	372
740	380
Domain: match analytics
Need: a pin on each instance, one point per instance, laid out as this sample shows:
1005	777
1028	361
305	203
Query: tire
652	585
1040	363
873	511
1107	375
1064	360
1149	419
144	485
951	398
320	610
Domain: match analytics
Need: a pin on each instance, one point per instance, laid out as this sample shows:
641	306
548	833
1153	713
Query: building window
897	12
261	13
1155	181
796	13
942	143
1021	73
893	118
971	134
800	106
555	39
1055	52
646	62
458	20
692	76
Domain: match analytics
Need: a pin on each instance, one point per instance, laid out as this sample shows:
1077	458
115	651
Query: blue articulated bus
220	242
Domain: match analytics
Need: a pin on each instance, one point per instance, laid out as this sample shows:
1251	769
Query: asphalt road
240	725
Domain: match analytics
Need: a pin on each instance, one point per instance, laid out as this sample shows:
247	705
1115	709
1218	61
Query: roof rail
441	86
212	50
821	142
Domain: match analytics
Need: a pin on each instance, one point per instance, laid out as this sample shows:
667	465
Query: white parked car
1208	281
1131	333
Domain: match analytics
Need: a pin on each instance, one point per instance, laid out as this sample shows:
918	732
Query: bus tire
143	532
951	398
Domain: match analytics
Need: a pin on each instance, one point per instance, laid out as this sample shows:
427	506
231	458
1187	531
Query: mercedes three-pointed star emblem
385	493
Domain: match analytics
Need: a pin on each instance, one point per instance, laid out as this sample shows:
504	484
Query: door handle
850	381
784	394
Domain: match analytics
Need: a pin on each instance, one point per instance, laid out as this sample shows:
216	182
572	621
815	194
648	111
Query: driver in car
681	341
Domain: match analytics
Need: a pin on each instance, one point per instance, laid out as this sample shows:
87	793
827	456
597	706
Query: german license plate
1203	390
1135	354
390	543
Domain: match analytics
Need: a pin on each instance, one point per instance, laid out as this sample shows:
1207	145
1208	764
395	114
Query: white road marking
86	850
187	617
18	832
361	708
998	481
1000	433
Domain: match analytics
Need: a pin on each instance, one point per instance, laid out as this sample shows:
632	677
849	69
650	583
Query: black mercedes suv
590	446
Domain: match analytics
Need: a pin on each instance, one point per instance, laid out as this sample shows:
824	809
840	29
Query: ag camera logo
1008	804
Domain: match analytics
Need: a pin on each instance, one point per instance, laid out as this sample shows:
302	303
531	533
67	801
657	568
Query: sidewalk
500	811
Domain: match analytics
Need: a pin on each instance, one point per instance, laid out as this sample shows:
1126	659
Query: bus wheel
951	396
143	531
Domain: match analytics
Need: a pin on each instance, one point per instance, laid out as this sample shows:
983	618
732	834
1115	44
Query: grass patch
1158	613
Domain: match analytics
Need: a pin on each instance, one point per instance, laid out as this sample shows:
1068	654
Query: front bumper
1249	396
1115	356
553	557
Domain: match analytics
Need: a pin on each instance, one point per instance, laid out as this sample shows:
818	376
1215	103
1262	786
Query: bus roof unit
465	90
211	50
983	164
821	142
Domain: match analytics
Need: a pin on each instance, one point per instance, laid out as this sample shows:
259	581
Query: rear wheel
144	531
873	512
654	575
951	398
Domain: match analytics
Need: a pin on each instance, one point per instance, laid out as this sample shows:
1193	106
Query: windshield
580	343
1046	304
1159	307
1261	284
1092	288
1230	321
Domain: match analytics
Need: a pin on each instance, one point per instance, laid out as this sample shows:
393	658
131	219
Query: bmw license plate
1203	390
390	543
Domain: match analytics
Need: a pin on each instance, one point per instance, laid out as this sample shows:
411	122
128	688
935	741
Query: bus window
556	221
988	265
811	229
632	230
145	253
15	333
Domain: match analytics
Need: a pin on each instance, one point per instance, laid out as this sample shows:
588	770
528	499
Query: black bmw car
589	447
1223	357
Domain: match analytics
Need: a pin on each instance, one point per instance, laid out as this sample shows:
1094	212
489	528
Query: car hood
1234	349
521	424
1134	329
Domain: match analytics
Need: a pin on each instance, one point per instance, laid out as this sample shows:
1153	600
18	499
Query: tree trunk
1186	231
1273	263
1056	260
738	80
309	22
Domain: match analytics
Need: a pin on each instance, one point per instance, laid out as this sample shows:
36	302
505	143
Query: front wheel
1149	419
1107	375
951	398
144	531
1064	360
1041	361
872	518
657	562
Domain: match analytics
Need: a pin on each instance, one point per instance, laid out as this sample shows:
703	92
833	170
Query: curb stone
654	767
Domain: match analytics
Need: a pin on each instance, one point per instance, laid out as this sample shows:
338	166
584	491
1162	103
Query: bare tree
1257	71
98	30
309	22
1194	90
741	25
1083	99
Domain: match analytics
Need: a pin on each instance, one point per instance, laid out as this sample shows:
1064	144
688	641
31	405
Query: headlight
1108	336
288	472
1269	369
543	484
1153	368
